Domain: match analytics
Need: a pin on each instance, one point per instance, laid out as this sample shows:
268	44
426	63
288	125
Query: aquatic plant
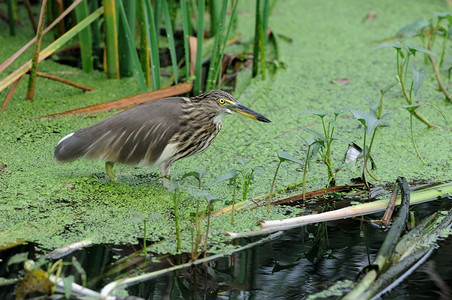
176	194
325	139
370	121
196	174
282	156
247	176
403	55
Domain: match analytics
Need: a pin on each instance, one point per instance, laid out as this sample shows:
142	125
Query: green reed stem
185	26
171	44
133	56
153	46
215	62
127	66
85	38
111	39
200	40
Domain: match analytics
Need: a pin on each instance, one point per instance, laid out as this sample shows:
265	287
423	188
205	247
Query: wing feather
131	137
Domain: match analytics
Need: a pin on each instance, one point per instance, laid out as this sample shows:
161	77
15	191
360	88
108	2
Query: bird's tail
68	148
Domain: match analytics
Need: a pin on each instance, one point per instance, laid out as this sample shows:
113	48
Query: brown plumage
156	133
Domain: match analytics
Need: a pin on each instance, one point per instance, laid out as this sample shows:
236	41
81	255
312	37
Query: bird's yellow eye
222	101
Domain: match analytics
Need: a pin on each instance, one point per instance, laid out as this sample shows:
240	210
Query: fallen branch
65	81
128	101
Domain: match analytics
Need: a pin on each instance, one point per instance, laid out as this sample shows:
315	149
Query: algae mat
328	50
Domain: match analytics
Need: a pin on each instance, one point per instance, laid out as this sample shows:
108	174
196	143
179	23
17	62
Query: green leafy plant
370	121
197	175
247	176
199	194
313	148
282	156
409	87
325	139
176	194
428	32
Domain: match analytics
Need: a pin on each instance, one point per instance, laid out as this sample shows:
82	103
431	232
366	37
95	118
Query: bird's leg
109	170
165	170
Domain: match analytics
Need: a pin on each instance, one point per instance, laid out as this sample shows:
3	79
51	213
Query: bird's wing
134	136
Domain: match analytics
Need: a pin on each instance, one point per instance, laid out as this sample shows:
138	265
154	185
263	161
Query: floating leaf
284	156
418	78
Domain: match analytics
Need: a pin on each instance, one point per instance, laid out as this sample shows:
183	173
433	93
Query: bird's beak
245	111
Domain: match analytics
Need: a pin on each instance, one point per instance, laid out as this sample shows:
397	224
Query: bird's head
224	103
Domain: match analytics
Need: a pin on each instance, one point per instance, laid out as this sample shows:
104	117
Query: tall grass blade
186	29
153	46
132	50
34	61
127	66
85	38
111	39
200	40
170	36
215	62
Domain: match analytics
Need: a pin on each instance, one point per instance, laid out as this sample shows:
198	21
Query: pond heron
155	133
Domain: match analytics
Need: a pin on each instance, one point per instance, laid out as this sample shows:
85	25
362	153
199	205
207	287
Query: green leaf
414	48
418	78
284	156
321	114
258	170
395	44
411	108
243	161
230	175
316	134
387	88
442	15
197	174
413	29
309	141
369	120
67	282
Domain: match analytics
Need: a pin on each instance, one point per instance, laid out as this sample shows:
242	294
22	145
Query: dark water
298	263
